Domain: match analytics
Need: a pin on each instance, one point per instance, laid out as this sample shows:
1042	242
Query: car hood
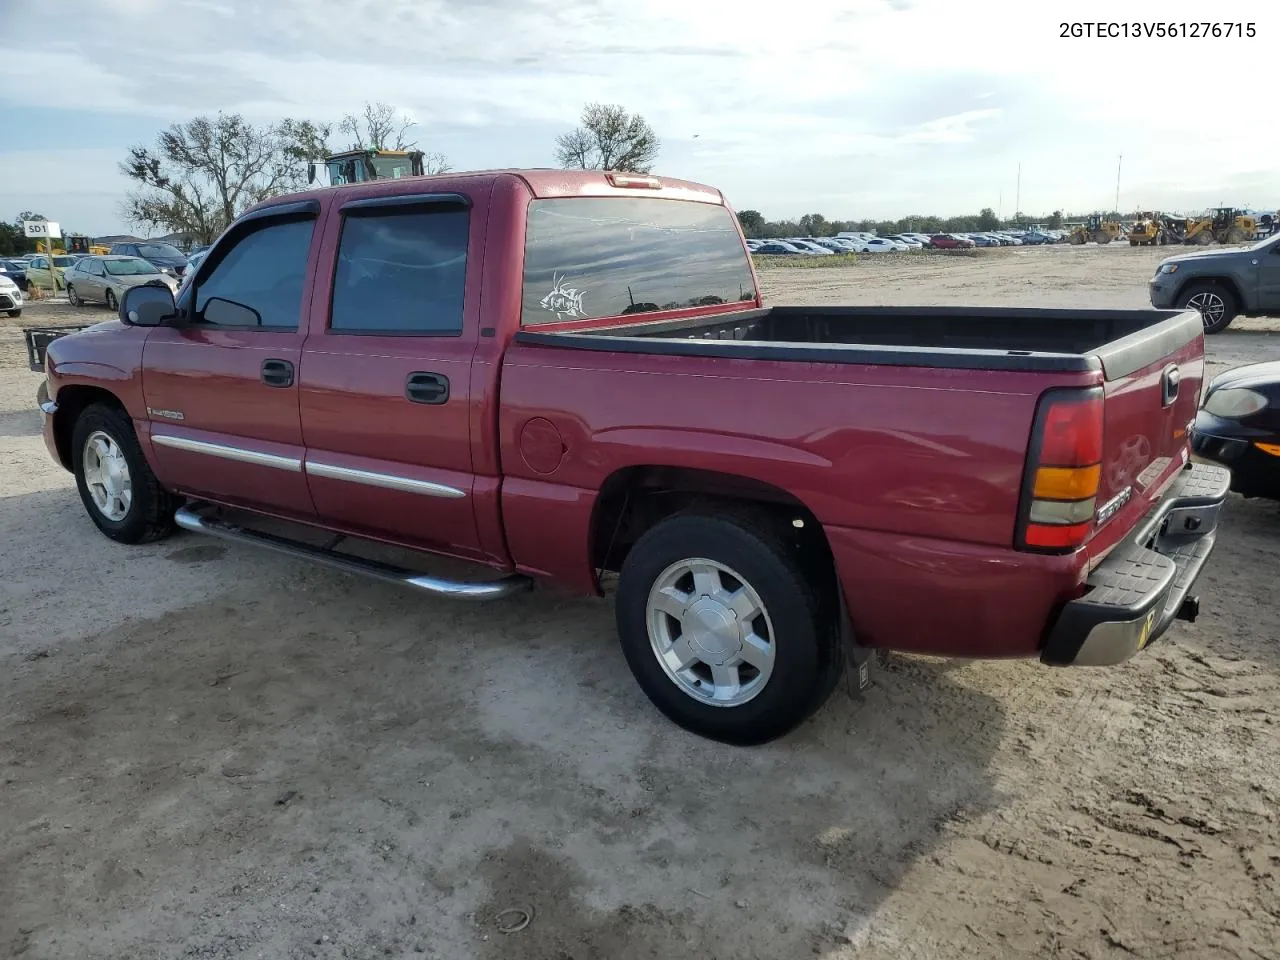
1252	375
1205	255
140	279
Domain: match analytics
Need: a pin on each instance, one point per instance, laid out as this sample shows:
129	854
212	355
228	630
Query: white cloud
926	103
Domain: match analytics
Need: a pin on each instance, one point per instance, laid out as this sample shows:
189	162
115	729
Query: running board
188	517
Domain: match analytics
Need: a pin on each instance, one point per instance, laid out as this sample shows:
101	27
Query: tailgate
1152	391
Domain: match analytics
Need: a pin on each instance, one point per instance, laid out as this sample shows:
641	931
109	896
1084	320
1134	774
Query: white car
908	242
10	297
810	247
877	245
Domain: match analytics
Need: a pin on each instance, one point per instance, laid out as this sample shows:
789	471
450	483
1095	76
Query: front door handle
277	373
430	388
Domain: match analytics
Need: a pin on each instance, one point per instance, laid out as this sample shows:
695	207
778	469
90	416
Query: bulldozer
1222	225
1153	228
355	166
1097	230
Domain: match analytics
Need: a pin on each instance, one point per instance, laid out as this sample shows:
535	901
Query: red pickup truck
558	375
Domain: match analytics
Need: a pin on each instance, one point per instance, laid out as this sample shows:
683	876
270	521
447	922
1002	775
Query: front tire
724	628
1216	305
119	491
15	313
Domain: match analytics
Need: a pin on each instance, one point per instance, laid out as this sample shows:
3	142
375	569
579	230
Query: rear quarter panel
914	473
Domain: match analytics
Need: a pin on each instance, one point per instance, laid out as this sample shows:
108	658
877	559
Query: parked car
982	240
167	257
1221	283
949	241
777	248
877	245
38	272
1238	426
832	244
106	278
977	483
15	270
906	242
811	247
10	296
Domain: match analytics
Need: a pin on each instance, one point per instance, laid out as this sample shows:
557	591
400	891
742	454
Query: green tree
814	225
609	138
987	219
752	222
1055	220
202	174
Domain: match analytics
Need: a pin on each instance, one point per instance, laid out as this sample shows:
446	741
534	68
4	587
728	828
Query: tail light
633	180
1064	470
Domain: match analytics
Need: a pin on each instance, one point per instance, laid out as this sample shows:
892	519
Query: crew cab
1221	284
566	376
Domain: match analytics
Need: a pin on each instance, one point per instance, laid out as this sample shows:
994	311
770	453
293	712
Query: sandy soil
207	752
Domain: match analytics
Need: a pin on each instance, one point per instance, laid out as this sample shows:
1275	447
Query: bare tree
435	163
204	173
609	138
378	128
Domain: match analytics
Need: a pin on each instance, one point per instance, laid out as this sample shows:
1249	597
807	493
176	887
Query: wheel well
634	499
72	400
1225	283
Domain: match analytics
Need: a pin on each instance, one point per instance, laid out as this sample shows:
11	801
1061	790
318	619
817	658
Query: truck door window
616	256
401	271
264	271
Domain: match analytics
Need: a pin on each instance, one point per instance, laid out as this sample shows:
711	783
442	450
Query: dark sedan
1238	426
16	271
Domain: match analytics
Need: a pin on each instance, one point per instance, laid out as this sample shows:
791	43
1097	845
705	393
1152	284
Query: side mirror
147	306
228	313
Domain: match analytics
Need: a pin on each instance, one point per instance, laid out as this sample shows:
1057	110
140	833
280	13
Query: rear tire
107	461
698	588
111	301
73	297
1216	305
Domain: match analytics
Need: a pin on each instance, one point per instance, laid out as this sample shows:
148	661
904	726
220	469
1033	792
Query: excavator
1097	230
1223	225
355	166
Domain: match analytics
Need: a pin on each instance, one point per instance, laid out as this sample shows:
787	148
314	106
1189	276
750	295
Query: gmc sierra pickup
559	374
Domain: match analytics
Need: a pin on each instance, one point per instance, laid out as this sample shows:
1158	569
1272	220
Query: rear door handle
430	388
277	373
1169	385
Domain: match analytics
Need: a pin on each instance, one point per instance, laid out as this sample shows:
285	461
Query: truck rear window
588	257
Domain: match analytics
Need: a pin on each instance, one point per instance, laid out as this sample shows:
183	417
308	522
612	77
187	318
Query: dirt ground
207	752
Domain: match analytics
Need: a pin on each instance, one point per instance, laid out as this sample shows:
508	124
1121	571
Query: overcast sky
850	108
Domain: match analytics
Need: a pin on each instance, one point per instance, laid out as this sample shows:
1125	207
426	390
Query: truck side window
401	271
263	270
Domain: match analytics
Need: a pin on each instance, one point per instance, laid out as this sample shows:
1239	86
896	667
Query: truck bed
991	338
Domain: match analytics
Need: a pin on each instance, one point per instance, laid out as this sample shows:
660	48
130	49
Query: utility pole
1118	163
1017	203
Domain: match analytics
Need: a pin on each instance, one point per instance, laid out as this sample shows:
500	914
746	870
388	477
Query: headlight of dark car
1168	268
1234	403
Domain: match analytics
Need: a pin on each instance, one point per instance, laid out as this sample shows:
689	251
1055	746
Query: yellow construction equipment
355	166
1153	228
1097	230
1223	225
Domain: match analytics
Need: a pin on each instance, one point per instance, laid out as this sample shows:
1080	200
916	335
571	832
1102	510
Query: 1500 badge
1112	506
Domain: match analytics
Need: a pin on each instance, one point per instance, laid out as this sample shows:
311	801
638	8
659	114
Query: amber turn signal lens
1067	483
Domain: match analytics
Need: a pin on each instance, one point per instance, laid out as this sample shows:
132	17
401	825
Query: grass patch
805	263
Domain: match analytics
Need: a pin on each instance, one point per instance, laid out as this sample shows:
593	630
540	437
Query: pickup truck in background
1221	284
558	374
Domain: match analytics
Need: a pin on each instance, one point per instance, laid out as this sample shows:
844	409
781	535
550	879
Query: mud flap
858	660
